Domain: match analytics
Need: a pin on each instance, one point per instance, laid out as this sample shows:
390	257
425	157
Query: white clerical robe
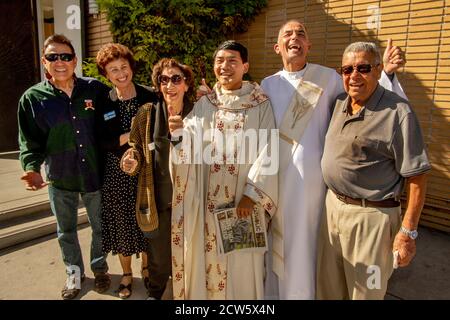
301	186
203	185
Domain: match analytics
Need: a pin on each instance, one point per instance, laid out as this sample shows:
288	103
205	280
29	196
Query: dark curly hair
113	51
165	63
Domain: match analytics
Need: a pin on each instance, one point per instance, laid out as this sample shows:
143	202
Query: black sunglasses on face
175	79
52	57
361	68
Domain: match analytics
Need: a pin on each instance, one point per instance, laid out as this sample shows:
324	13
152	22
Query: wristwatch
413	234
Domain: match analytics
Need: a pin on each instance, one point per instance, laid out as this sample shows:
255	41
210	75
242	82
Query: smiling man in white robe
232	130
302	95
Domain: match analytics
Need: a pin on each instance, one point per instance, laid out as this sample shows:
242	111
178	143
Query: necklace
127	111
127	96
126	93
127	103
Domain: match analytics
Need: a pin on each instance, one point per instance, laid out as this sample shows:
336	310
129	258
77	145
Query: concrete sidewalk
12	191
34	270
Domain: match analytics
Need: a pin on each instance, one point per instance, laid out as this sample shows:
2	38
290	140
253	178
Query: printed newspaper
234	233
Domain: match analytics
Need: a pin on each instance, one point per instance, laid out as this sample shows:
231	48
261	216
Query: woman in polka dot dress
121	234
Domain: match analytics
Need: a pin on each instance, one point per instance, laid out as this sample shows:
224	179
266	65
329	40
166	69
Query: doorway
19	64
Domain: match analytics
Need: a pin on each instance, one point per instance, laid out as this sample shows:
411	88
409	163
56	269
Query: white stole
295	121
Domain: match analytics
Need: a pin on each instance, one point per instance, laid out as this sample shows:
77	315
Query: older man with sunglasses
302	96
57	127
373	148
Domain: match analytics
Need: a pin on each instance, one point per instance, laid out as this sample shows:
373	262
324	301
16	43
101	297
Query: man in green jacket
57	127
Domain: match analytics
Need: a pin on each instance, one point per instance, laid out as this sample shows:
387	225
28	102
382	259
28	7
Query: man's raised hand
203	89
393	58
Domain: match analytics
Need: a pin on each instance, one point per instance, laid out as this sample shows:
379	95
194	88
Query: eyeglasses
361	68
52	57
175	79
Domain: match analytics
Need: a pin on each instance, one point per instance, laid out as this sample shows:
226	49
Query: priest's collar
246	88
248	96
296	75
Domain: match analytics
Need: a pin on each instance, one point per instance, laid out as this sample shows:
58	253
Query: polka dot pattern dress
120	231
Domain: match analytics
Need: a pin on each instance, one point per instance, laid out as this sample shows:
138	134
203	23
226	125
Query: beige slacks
354	258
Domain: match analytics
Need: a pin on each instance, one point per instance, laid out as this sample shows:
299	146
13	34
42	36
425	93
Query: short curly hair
165	63
113	51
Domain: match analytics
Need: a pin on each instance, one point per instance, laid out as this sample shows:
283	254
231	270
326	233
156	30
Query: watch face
413	234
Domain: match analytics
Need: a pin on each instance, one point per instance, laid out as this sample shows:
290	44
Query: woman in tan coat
149	158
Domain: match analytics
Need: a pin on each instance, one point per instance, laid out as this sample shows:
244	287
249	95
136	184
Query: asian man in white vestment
302	96
225	117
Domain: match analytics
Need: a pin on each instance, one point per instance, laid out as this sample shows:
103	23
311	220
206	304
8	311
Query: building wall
98	33
19	65
68	21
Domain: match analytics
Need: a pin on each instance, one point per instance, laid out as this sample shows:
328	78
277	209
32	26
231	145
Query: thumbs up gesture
175	123
393	58
129	164
203	89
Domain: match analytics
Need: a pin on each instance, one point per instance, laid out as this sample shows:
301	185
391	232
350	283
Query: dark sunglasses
52	57
361	68
175	79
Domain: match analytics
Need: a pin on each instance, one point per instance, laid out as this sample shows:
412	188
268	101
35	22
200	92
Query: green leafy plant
188	30
90	70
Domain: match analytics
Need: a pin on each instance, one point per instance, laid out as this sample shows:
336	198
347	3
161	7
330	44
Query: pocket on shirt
365	150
